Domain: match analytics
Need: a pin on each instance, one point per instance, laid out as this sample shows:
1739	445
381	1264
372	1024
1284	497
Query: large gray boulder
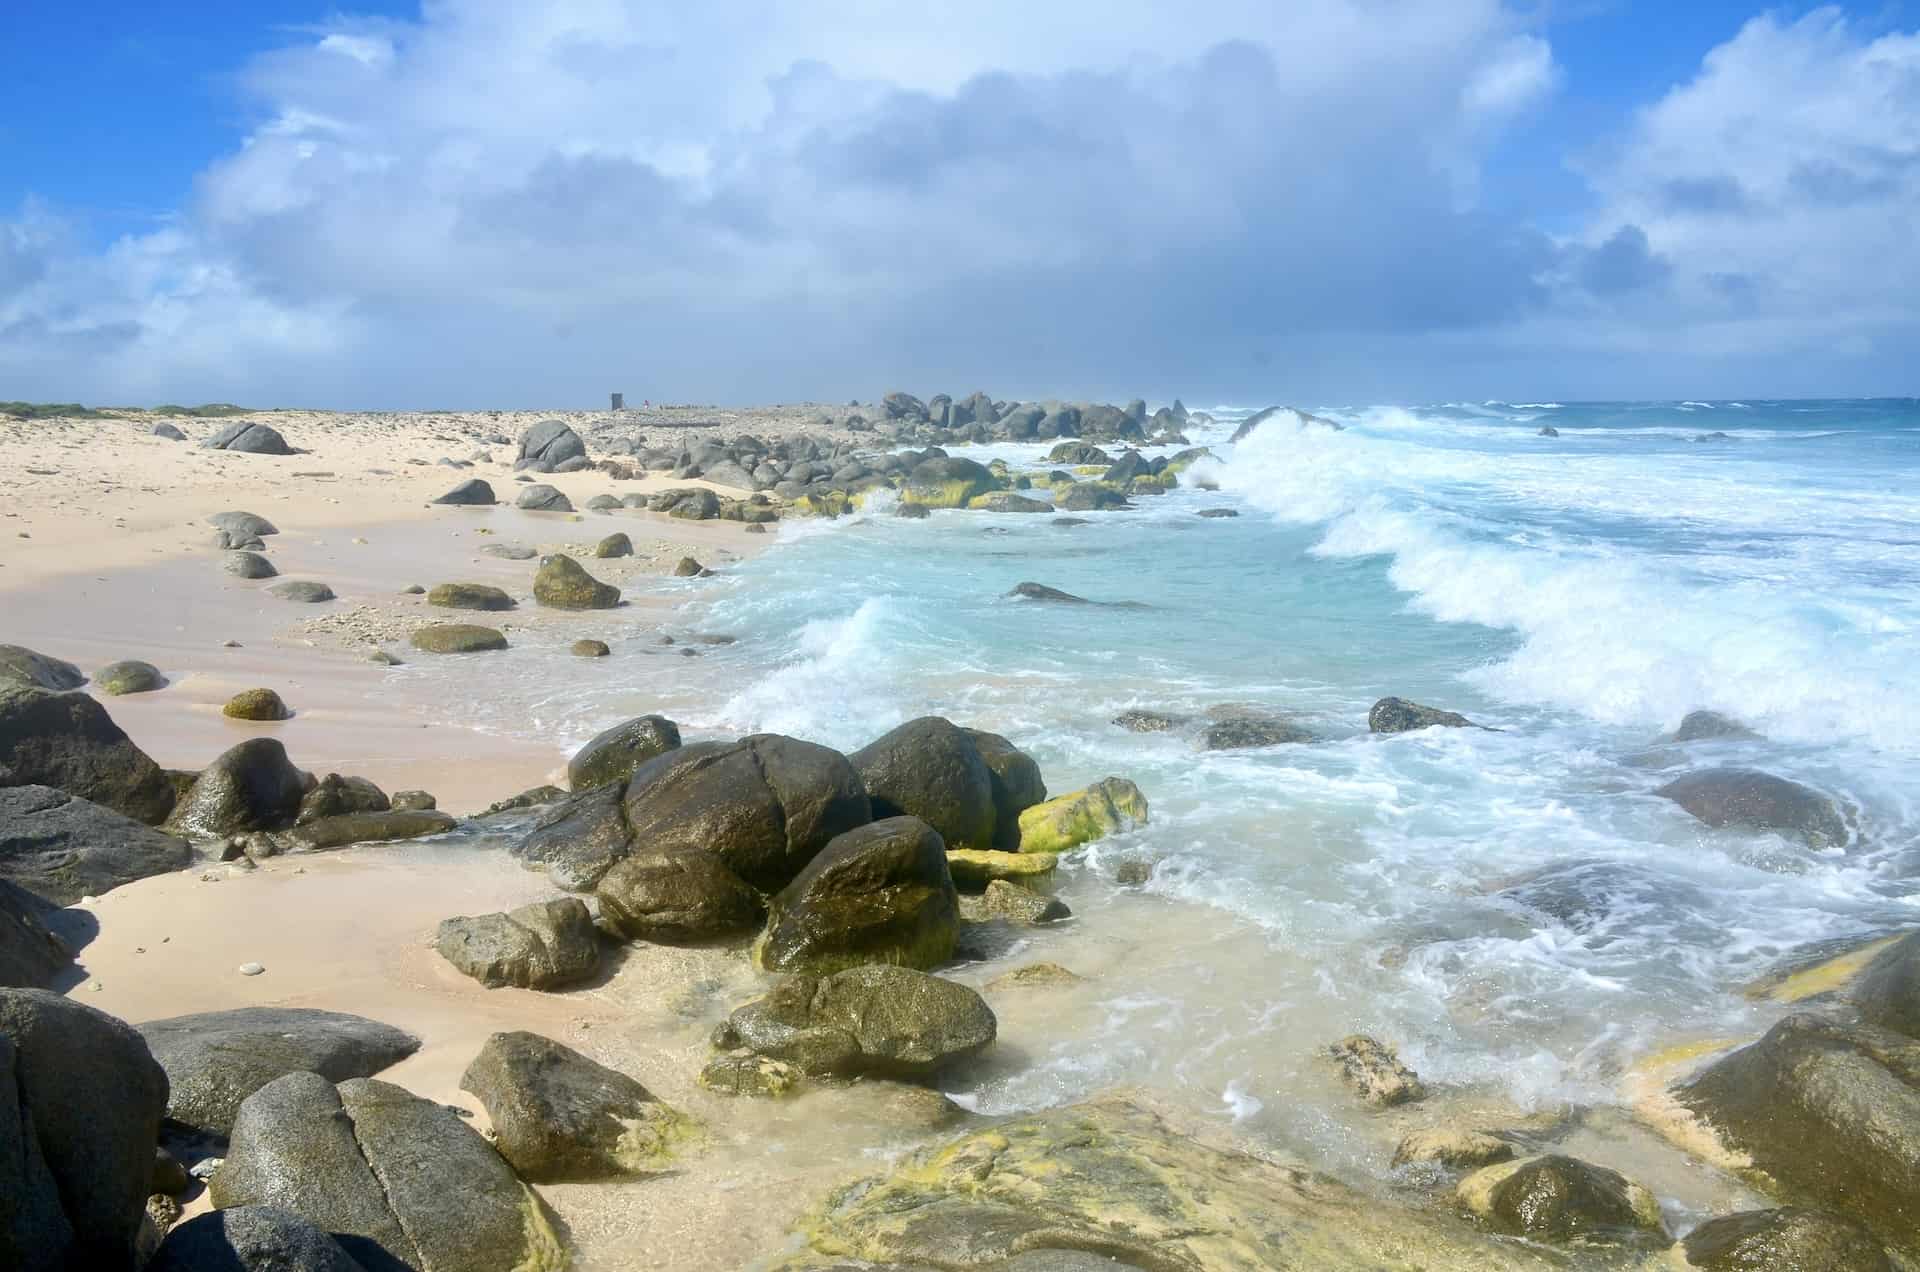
547	445
80	1106
473	492
216	1059
1017	785
563	583
1748	799
613	755
63	848
252	786
250	524
931	769
32	954
253	1239
877	1020
559	1116
1887	992
880	893
680	895
1566	1201
249	438
1791	1239
540	946
335	795
543	498
371	1160
21	665
579	837
68	741
343	830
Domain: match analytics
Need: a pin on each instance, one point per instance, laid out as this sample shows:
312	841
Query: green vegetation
49	410
75	411
210	411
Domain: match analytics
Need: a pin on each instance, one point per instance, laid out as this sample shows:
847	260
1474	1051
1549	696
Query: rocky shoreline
845	888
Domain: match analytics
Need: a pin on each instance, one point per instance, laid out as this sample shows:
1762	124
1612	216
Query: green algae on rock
562	583
1108	807
457	638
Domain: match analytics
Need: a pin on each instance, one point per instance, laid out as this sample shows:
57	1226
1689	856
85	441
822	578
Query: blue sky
470	204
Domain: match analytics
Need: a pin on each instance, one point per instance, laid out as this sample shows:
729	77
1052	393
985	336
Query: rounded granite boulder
469	596
256	704
130	676
457	638
561	583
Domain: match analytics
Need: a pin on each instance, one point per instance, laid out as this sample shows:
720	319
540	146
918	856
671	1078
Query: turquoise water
1513	908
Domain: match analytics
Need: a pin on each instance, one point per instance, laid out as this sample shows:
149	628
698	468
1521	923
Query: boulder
228	540
257	705
947	482
904	406
680	895
1111	1184
1108	807
878	894
508	551
247	523
1699	726
1887	991
247	565
580	837
252	1239
1017	785
558	1116
216	1059
589	649
1397	715
1786	1240
1747	799
740	1072
541	497
532	797
1453	1147
688	568
414	802
547	445
1825	1112
613	755
63	848
1287	414
129	676
1565	1201
469	596
614	545
876	1020
1086	496
21	665
68	741
32	954
974	870
252	786
538	946
1015	904
1007	501
1373	1069
472	492
168	431
80	1108
561	583
931	769
457	638
343	830
694	503
302	591
249	438
1138	721
334	795
371	1160
1244	731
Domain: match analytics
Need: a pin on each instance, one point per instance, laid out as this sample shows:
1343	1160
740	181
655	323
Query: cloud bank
529	205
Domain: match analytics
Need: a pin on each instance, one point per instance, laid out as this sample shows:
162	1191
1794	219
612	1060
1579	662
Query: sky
463	204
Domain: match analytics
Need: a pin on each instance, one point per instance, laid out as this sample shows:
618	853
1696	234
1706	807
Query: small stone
1373	1069
1133	872
1453	1147
251	969
590	649
256	704
741	1072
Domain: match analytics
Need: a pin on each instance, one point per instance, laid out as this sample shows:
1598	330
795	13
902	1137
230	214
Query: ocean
1512	907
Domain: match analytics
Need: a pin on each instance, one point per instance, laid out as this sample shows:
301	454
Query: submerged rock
1244	731
540	946
1751	800
1397	715
1373	1069
876	1020
1887	992
877	894
68	741
1108	807
1138	721
559	1116
589	649
1452	1147
62	848
1702	725
1564	1200
1787	1240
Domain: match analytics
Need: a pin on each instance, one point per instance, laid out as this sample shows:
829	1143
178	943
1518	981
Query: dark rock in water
334	795
457	638
1785	1240
1218	512
1373	1069
1549	431
414	801
169	432
1067	522
469	596
534	797
249	438
1016	783
21	665
1830	1112
1887	992
1589	895
256	704
867	1021
80	1108
695	503
343	830
688	568
1240	732
547	445
948	482
580	838
539	946
216	1059
368	1159
613	755
68	741
243	523
1564	1200
931	769
541	497
559	1116
252	1239
1078	453
32	954
1752	800
589	649
912	511
252	786
603	503
684	895
1397	715
1009	901
1041	592
1284	412
473	491
1702	725
1712	437
62	848
561	583
508	551
877	894
614	545
302	590
1088	497
1007	501
248	565
1149	721
1045	1192
129	676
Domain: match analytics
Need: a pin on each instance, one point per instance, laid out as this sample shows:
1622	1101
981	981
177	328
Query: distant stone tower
619	401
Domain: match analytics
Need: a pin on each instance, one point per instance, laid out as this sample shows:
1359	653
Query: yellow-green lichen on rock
975	868
1114	1179
1108	807
826	503
944	494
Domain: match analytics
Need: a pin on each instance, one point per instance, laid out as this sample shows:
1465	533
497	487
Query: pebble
251	969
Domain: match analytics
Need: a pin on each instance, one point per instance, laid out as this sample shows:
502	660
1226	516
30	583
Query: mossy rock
457	638
1564	1200
589	649
826	503
1108	807
469	596
877	894
614	545
1007	501
561	583
256	704
974	868
129	676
